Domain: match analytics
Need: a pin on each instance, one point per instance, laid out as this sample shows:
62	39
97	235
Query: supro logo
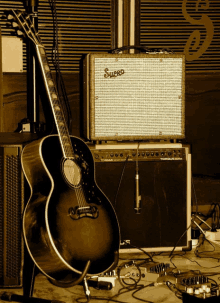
113	74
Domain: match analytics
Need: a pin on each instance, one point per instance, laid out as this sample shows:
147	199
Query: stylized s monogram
194	45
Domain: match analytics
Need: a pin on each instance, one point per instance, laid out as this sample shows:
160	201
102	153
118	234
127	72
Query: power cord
141	249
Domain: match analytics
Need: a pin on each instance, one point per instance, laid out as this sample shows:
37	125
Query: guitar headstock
23	24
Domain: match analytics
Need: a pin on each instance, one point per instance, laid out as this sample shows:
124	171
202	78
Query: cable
98	298
209	215
146	253
179	240
126	274
122	174
194	192
141	287
178	293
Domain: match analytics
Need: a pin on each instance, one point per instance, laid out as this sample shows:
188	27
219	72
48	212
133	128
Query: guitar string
80	195
63	134
74	178
79	191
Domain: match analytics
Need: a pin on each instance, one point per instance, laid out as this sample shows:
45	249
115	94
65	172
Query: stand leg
86	289
29	273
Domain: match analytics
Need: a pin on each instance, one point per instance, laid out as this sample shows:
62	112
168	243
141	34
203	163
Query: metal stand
32	123
29	273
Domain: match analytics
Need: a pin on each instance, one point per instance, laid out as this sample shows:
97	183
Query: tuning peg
20	33
14	24
10	17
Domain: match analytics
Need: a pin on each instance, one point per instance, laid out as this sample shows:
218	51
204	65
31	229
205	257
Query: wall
202	89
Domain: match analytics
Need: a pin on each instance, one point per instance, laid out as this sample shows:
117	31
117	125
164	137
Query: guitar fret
57	108
48	75
59	118
54	96
44	59
42	51
46	67
52	90
50	83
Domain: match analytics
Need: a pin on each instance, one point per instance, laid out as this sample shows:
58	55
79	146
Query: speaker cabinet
11	208
134	96
165	188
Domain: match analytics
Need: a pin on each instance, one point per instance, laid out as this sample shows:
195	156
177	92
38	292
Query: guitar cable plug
86	289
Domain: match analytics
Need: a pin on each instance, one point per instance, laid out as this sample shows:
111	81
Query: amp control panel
150	153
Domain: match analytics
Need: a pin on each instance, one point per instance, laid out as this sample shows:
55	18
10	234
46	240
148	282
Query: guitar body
67	222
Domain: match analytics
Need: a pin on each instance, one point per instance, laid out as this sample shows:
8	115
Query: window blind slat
165	24
83	26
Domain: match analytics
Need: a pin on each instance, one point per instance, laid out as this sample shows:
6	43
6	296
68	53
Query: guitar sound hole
72	173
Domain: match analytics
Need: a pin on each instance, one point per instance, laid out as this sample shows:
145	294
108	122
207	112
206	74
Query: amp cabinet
134	96
11	208
13	192
165	188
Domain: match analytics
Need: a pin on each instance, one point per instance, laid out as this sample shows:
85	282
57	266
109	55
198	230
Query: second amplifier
164	181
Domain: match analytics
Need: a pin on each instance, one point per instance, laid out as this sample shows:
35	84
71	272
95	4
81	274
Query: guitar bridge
77	212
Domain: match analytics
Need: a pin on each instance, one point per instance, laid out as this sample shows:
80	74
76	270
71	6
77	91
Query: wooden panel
205	191
203	122
15	101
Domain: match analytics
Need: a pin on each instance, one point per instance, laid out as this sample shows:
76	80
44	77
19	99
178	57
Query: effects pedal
151	272
184	281
194	287
145	272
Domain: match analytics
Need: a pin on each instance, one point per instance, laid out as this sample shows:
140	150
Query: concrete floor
184	262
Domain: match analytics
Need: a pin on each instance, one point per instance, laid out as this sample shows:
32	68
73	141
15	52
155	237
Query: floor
206	264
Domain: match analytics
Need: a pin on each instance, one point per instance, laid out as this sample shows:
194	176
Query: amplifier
13	191
11	208
165	189
134	96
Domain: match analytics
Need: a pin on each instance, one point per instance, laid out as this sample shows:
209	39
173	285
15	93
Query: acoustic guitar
69	225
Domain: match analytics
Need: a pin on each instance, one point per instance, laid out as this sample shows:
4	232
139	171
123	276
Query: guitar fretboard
55	104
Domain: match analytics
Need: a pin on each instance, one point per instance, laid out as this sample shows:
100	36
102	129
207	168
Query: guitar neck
55	104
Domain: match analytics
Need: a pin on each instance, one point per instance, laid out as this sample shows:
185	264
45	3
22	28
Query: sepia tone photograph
109	151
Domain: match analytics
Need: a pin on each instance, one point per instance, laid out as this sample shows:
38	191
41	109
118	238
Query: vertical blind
189	26
83	26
